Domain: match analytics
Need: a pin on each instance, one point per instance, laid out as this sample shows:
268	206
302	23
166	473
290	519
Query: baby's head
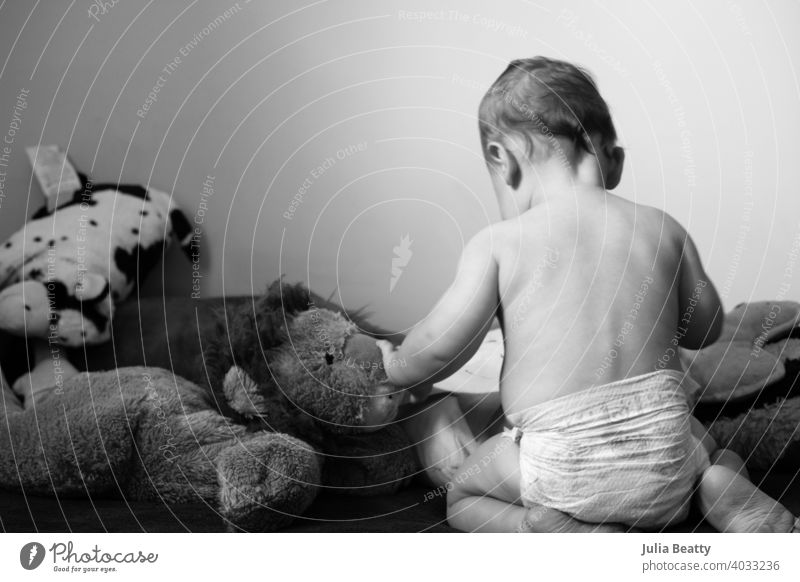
543	113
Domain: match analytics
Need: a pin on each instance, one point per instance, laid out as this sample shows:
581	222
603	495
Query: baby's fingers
385	346
470	446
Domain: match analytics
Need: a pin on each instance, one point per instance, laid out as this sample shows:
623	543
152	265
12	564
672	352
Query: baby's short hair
553	97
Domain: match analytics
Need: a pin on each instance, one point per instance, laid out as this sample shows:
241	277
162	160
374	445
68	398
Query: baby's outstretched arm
445	340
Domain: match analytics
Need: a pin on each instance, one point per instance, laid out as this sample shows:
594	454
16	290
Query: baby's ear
504	162
616	160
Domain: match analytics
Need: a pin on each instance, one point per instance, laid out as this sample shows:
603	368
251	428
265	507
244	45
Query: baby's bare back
589	295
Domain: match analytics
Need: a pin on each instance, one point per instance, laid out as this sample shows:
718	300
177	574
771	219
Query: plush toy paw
266	481
51	371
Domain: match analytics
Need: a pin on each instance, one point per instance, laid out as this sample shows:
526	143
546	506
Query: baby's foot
731	503
540	519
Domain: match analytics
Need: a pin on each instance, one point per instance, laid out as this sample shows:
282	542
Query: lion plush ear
291	299
242	393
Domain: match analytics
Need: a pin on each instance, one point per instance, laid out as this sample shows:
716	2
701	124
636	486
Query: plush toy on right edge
747	399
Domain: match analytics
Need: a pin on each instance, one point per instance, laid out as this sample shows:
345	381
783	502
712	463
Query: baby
593	294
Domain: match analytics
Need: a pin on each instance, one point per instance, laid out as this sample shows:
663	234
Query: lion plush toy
295	401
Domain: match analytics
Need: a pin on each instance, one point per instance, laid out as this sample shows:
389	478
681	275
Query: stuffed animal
744	393
750	353
296	401
62	273
322	380
767	437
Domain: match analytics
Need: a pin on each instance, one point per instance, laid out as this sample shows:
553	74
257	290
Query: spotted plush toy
62	273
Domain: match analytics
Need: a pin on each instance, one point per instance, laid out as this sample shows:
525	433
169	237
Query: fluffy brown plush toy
296	401
319	378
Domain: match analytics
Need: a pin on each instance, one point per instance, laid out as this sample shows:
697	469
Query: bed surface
410	510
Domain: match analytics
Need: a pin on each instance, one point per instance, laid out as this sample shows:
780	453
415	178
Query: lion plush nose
360	349
383	406
383	400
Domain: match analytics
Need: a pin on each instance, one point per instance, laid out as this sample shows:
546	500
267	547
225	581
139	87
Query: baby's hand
389	352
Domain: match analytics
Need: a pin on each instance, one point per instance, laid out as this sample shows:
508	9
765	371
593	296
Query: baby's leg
485	496
447	428
729	501
441	436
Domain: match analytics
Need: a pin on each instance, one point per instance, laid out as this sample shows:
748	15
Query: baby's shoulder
507	233
492	234
509	239
660	221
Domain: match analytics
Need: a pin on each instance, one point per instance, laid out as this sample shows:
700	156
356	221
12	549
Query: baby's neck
559	177
562	187
548	183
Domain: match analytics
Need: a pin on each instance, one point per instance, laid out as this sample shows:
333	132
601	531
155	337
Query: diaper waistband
645	393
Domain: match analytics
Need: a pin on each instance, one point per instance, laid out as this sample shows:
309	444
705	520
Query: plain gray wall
705	97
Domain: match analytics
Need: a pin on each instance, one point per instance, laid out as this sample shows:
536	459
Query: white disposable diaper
621	452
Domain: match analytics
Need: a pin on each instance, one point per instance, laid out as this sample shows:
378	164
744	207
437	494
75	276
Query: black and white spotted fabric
62	273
